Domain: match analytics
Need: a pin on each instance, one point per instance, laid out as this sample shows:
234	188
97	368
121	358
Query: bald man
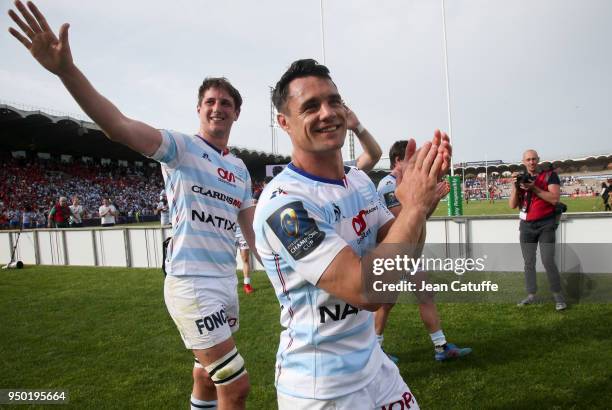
537	194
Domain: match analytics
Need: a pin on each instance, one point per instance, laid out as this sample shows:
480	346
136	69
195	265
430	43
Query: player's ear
237	112
282	121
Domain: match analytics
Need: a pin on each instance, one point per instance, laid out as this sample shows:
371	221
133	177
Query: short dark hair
397	151
224	84
298	69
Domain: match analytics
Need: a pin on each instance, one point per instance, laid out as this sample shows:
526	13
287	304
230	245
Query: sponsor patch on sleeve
298	232
391	199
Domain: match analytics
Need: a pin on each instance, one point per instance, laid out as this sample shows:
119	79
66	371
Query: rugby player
427	307
245	256
313	224
208	192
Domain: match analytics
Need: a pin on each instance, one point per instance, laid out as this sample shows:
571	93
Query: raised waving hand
51	52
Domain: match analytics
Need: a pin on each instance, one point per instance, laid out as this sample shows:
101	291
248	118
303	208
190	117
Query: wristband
360	129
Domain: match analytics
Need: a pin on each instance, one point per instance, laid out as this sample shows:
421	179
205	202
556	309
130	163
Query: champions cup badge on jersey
390	199
298	232
289	222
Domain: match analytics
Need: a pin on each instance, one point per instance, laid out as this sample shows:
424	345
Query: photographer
537	194
605	195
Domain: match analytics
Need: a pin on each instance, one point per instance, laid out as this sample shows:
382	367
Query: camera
524	178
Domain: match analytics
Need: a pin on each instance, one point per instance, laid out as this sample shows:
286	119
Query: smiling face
217	113
314	116
531	160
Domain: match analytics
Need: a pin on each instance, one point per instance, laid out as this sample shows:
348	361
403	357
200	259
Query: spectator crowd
30	188
499	187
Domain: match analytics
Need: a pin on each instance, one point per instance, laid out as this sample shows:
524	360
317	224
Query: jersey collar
342	182
222	152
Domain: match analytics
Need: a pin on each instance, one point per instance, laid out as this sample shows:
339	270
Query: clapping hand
419	182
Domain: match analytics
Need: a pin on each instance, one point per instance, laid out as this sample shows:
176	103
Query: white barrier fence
142	246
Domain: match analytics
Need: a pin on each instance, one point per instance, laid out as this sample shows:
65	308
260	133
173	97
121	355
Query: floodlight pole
351	135
273	123
322	30
448	95
487	176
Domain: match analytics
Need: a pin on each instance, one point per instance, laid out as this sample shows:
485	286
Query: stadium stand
576	185
33	184
44	156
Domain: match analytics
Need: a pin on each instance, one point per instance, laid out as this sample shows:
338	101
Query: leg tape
227	369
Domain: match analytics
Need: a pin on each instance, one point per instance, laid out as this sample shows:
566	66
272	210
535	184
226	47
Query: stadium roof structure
594	164
590	163
39	131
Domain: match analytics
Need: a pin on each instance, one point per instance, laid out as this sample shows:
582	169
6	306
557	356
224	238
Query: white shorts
386	391
204	309
241	243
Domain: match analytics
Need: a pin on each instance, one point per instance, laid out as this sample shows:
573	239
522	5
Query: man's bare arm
551	196
245	220
343	277
371	150
53	53
136	135
514	199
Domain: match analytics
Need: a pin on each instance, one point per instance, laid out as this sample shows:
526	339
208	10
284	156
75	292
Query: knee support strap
227	369
197	363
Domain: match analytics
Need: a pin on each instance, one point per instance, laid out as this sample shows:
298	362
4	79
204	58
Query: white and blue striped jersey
328	348
206	189
386	191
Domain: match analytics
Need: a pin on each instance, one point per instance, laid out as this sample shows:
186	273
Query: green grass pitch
104	335
500	206
484	207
